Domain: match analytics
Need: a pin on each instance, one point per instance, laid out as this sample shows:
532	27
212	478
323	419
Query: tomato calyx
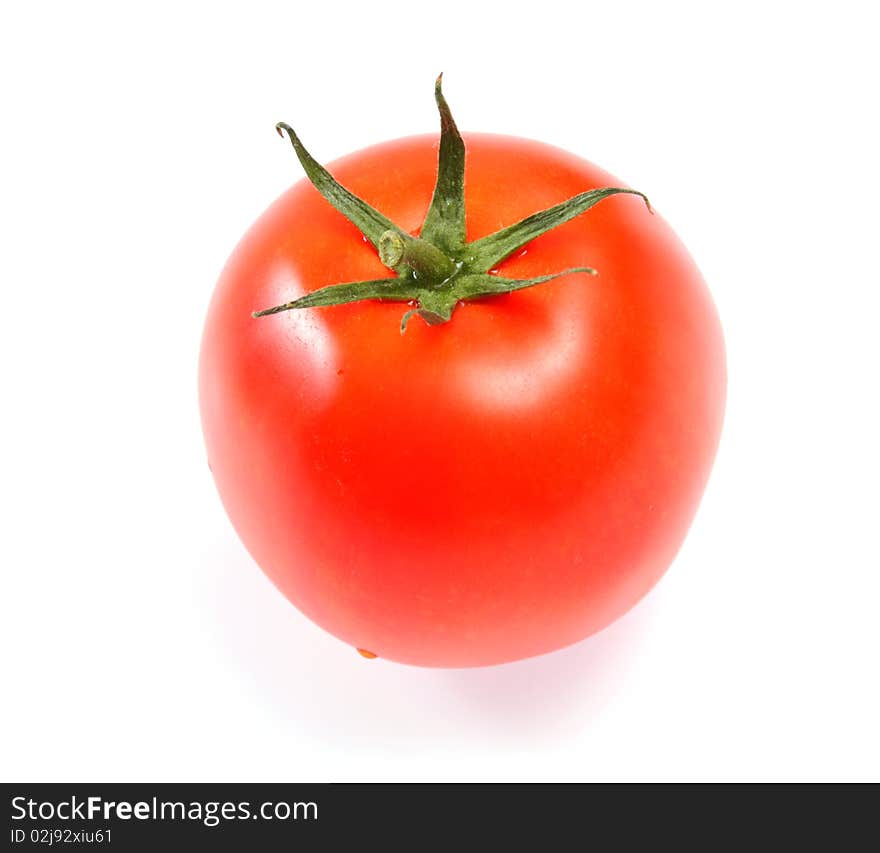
438	268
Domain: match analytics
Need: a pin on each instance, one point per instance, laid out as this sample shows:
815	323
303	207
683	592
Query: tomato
488	488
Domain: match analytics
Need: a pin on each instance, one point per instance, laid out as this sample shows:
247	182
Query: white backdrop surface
140	642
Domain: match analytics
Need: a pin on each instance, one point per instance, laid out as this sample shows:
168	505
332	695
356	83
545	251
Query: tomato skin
492	488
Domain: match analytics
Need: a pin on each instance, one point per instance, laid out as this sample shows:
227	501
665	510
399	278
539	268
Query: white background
140	642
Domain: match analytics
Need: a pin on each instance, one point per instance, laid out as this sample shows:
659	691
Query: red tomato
494	487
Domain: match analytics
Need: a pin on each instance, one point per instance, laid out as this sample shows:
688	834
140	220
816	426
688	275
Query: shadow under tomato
324	688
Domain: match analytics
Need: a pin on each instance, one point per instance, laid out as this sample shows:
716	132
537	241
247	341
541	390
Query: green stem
396	249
